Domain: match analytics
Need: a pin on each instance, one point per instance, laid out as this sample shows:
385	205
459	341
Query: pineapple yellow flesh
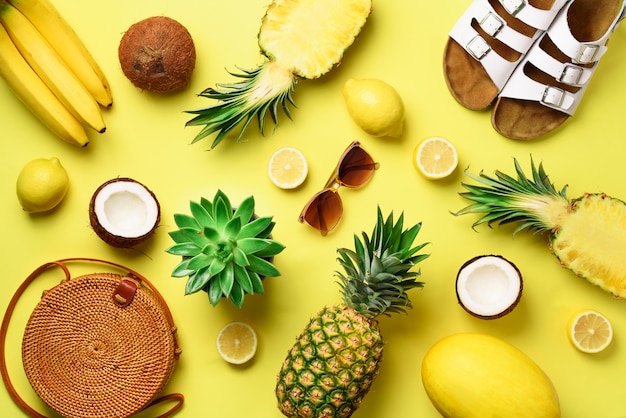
331	366
310	36
591	242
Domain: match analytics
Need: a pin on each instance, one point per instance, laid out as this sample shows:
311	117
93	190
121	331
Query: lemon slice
590	331
435	158
288	168
236	342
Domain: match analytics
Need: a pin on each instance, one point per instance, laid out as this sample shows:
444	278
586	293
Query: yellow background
402	44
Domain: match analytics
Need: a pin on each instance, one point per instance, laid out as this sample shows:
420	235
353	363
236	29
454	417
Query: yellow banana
33	92
50	68
51	24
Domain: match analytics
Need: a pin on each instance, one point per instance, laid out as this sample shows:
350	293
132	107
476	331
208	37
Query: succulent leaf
225	251
270	250
243	279
257	282
199	261
197	281
200	214
214	292
186	221
233	227
240	257
211	234
182	269
252	245
185	249
262	266
245	210
207	204
257	228
216	266
227	279
236	295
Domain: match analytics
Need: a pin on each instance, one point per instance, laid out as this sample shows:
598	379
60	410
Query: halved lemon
590	331
435	157
236	342
287	168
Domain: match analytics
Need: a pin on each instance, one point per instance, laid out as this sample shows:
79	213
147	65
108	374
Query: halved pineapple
587	234
299	38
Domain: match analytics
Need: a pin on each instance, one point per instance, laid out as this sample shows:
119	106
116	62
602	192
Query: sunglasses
355	169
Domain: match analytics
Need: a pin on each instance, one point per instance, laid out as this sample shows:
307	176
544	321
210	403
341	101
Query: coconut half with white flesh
489	286
123	212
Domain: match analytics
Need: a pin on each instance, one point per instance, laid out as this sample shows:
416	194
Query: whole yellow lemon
42	185
375	106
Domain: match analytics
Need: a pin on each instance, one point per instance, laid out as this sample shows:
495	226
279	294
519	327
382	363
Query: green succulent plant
226	250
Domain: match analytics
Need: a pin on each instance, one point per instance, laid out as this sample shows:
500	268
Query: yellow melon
477	375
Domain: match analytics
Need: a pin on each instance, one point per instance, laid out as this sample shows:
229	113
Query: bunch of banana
50	70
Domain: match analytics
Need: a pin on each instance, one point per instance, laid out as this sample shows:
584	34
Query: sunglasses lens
323	211
356	167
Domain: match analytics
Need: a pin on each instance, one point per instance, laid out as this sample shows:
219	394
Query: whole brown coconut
157	54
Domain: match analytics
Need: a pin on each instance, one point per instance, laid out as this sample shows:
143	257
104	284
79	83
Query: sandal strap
563	72
522	87
498	68
579	52
532	16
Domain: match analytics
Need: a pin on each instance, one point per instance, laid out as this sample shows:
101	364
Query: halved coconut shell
124	212
489	286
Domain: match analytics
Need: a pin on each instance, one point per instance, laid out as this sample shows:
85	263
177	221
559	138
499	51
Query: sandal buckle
513	6
491	24
478	47
586	54
571	75
553	97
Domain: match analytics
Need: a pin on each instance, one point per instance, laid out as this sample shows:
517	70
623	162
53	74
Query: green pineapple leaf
377	273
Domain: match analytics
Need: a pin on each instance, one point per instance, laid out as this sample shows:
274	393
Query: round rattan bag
99	345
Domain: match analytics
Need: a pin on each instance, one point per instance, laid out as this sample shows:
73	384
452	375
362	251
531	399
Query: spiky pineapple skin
331	366
591	240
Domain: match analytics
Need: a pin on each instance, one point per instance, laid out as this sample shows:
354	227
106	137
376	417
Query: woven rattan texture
87	357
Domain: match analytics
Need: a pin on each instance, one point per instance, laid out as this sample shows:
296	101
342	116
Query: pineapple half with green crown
334	361
298	39
586	234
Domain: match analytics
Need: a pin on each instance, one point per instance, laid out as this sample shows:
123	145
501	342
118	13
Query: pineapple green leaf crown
377	274
240	103
225	251
504	199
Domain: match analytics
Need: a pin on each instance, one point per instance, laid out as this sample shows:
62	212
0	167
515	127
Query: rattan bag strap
177	397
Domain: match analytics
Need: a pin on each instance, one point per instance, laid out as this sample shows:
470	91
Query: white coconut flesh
489	286
126	209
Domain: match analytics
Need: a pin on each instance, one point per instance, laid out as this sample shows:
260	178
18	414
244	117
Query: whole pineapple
298	39
337	357
587	234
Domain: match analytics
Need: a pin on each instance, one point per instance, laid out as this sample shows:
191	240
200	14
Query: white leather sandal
488	42
548	85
